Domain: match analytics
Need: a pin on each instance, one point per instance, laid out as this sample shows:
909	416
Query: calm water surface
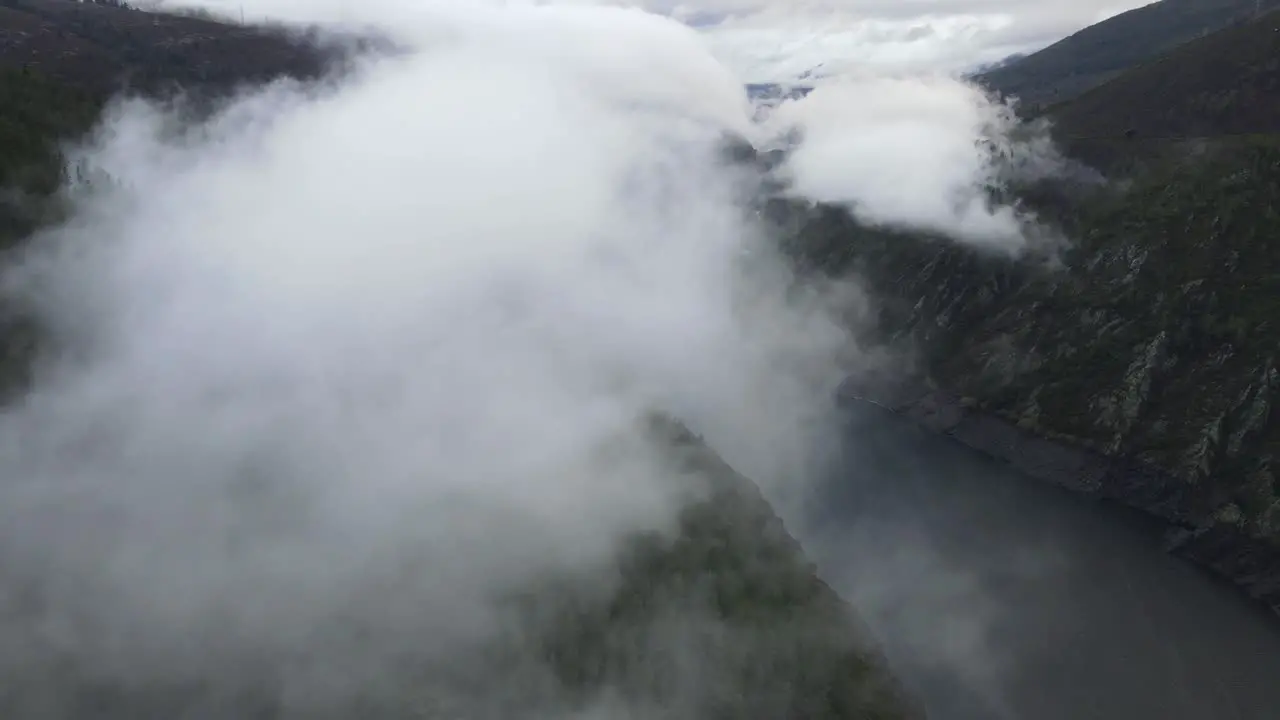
997	596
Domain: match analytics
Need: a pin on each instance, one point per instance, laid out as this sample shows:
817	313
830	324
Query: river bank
996	598
1223	548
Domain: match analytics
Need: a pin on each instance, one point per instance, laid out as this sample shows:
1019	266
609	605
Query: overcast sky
778	39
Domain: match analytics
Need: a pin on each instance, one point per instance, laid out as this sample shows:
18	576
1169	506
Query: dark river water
996	596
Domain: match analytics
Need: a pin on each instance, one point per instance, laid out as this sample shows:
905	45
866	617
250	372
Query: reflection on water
1001	597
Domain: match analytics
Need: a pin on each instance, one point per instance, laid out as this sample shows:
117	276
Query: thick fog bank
372	352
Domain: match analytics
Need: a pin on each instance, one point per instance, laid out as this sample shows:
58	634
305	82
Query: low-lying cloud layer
376	348
922	152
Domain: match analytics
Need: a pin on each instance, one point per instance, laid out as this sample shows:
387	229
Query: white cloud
770	40
774	39
917	152
778	53
404	322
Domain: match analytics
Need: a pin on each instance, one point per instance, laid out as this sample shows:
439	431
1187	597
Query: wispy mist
916	152
374	350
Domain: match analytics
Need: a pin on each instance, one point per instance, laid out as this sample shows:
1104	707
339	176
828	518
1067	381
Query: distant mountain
766	96
1226	84
776	91
996	64
60	61
1100	52
703	18
102	47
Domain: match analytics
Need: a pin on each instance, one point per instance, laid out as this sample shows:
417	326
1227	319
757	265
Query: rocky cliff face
1148	350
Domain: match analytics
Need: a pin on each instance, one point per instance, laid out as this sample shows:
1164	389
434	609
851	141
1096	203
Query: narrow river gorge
999	596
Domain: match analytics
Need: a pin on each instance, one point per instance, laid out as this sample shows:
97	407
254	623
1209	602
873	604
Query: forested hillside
1227	83
1100	52
60	61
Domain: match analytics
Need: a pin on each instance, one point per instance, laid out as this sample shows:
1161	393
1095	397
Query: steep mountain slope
1100	52
61	60
101	48
1149	361
1224	83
